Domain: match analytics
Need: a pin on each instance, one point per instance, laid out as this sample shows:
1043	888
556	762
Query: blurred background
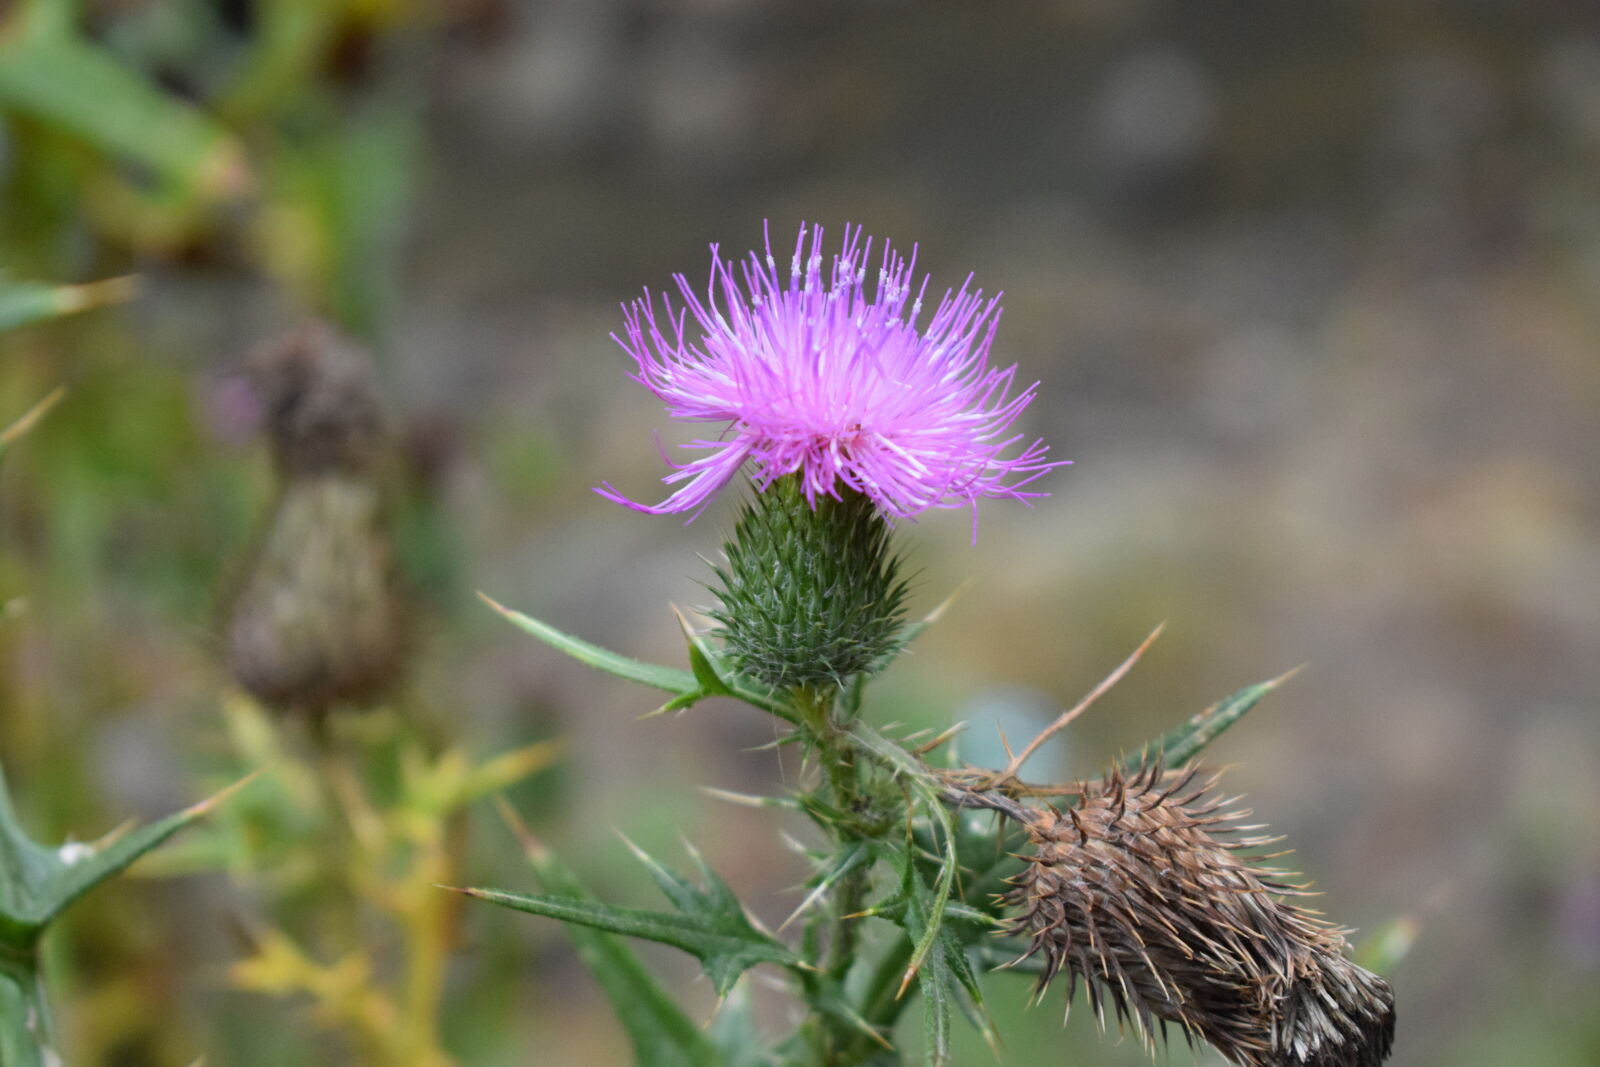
1313	291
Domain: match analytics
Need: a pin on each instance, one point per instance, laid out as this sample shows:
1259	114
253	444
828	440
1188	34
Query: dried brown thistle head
1147	892
320	618
321	403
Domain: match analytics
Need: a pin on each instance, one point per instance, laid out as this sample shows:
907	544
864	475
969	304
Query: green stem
27	1032
817	708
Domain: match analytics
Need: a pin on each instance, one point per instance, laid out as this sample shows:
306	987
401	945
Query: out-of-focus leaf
1177	746
25	302
1386	946
76	87
710	924
659	1030
11	434
440	785
369	189
290	37
337	205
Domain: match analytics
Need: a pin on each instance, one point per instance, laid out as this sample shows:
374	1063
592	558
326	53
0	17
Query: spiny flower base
1132	892
809	597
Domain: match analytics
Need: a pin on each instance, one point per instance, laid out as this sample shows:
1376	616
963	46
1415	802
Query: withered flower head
321	403
319	618
1147	891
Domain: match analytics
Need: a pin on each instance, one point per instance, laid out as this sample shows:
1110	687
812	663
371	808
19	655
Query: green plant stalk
833	931
27	1031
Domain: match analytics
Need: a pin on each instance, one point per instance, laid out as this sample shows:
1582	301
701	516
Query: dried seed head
319	618
321	403
1146	892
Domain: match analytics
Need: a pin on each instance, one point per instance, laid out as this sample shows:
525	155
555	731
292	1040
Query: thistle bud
318	618
1146	892
809	595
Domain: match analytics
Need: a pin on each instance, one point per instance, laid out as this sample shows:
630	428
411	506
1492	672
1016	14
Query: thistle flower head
828	371
1143	893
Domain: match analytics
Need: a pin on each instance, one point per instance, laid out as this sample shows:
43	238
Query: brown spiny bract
319	619
1147	893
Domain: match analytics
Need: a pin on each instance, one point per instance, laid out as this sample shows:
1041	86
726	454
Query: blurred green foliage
274	140
270	136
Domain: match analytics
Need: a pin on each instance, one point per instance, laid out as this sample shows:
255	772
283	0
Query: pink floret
814	375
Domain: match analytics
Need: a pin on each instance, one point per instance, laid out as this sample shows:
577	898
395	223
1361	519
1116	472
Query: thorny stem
817	707
881	1001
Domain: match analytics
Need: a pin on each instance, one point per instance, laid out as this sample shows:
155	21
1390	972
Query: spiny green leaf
724	950
1179	745
685	687
703	665
955	957
89	865
886	752
704	673
928	960
1386	946
670	679
37	883
710	923
684	894
933	982
943	885
659	1030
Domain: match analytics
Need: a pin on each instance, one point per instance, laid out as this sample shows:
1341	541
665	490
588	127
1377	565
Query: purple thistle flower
816	377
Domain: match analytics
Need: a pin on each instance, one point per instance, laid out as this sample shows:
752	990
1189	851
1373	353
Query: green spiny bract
809	596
